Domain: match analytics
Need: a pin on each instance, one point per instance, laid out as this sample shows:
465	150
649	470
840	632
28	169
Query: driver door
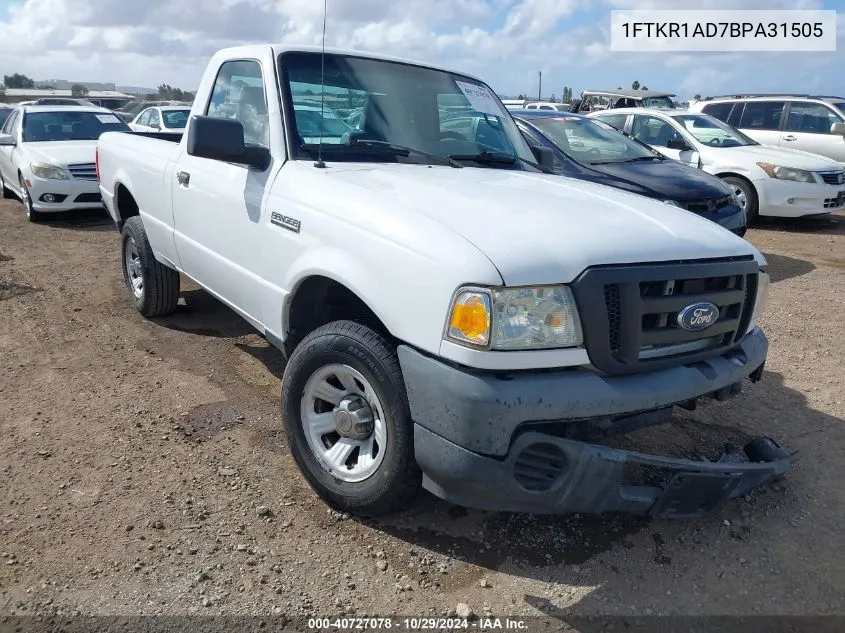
658	133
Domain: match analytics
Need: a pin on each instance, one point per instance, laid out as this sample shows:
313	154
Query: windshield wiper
642	158
622	162
402	150
494	158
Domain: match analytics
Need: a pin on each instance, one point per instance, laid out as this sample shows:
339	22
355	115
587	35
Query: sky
505	42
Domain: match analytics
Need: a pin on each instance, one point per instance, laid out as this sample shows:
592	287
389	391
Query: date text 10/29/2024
417	624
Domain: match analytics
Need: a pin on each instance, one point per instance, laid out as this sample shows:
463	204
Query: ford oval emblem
698	316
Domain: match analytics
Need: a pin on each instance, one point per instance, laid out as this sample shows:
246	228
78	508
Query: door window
238	94
811	117
653	131
761	115
719	110
616	120
155	118
10	123
144	119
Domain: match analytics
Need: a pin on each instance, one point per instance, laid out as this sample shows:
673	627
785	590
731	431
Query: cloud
503	41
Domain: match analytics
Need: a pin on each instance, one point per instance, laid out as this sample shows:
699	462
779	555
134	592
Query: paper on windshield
107	118
481	99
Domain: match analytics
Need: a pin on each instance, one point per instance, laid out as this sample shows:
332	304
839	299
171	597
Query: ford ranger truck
453	316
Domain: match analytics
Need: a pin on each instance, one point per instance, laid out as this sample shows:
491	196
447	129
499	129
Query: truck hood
786	157
543	229
61	153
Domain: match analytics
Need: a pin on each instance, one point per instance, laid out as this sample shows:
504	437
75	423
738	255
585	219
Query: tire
153	287
351	348
31	214
745	190
4	191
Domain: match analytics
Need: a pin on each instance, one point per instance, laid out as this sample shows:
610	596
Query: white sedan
47	156
162	119
770	181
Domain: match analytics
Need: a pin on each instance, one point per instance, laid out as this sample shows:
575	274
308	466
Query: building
109	98
64	84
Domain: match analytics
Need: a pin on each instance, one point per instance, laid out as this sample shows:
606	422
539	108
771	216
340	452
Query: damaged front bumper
505	441
549	475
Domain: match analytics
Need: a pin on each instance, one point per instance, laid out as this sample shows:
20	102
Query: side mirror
545	157
223	140
7	140
678	144
838	128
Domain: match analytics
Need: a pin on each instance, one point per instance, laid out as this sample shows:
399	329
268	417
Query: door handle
183	177
789	138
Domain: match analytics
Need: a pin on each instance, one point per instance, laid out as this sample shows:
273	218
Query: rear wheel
747	196
31	214
346	417
153	286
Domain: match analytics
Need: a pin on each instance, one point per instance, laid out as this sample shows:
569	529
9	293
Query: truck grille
706	206
83	171
833	177
630	313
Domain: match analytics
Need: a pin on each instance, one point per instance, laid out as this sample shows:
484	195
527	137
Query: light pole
540	88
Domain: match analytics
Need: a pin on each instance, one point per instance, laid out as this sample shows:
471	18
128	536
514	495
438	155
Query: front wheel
31	214
346	417
747	196
154	287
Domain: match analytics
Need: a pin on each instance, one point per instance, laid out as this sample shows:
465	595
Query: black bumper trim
592	481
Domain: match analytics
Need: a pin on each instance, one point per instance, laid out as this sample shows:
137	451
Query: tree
78	90
521	96
554	98
635	85
619	87
645	87
18	81
567	94
696	96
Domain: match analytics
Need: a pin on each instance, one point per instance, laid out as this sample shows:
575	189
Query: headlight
674	203
51	172
761	300
515	318
787	173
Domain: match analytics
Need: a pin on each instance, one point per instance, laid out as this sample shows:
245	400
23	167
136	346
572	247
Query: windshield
711	131
590	142
69	126
175	118
657	102
370	105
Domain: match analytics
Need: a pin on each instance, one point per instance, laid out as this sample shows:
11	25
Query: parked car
767	180
548	105
593	100
315	122
589	149
163	119
47	157
811	124
452	317
514	104
64	102
134	108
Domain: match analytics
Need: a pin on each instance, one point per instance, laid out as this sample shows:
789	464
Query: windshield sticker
480	98
107	118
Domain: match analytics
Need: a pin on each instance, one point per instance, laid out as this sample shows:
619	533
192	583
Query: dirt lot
144	469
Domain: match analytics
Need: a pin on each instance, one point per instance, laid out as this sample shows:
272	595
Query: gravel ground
144	470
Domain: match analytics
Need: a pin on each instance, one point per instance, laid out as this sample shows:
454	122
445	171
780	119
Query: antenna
320	164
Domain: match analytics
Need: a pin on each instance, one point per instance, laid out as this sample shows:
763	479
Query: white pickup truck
452	316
